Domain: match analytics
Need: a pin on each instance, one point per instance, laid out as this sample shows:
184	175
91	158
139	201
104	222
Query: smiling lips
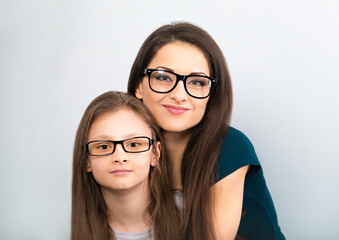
175	109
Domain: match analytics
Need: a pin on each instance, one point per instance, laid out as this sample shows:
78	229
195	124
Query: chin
122	187
176	129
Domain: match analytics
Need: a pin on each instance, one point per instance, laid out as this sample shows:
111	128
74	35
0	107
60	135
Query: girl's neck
175	146
127	210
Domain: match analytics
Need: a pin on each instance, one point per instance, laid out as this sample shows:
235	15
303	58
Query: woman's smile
176	110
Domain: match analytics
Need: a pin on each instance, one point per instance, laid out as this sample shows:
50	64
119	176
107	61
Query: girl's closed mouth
121	171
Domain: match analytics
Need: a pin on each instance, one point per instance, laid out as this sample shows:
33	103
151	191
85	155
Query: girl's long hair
89	212
199	162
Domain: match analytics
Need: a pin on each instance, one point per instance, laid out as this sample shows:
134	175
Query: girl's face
121	170
176	111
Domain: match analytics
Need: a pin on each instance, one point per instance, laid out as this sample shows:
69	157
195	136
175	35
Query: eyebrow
107	137
171	70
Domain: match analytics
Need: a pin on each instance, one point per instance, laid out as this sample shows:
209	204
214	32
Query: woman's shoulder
236	151
235	139
259	220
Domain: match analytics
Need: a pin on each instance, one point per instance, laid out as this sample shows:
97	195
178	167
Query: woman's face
176	111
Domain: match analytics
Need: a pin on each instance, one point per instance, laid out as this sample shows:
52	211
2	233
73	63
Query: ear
88	167
156	154
138	91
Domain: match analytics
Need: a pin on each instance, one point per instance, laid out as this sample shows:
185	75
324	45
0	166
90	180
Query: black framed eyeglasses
130	145
164	81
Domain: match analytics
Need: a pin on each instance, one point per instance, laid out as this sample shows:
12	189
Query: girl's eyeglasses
130	145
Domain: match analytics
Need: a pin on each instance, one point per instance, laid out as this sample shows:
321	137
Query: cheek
144	171
200	111
98	176
148	101
151	102
97	168
144	164
202	107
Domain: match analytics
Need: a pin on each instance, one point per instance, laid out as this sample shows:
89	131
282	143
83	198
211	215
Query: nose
179	93
119	156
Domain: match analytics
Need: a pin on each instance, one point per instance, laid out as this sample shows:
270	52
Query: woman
119	190
181	76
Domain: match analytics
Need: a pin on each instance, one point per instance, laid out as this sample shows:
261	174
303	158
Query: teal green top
259	219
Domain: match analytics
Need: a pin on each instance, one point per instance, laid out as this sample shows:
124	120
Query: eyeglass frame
179	77
121	142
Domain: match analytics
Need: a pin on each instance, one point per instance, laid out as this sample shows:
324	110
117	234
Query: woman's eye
197	83
163	78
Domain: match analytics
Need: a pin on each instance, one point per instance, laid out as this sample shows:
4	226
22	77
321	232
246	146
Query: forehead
181	57
118	125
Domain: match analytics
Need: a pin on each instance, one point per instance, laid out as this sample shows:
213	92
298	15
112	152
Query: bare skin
128	209
176	144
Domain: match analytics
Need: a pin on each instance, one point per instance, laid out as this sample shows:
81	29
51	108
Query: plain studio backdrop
56	56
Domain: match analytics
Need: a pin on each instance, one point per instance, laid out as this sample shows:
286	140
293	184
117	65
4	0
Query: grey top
147	234
179	199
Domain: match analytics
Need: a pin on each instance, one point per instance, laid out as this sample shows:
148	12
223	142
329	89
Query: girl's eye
103	146
133	144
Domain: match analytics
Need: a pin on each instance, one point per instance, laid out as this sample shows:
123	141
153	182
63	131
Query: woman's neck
127	210
175	146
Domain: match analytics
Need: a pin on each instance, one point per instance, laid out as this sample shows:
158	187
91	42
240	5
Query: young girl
121	188
181	76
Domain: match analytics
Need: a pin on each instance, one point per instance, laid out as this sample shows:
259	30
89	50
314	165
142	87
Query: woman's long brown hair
199	162
89	212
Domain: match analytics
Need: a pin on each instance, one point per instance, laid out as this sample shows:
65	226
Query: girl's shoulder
236	151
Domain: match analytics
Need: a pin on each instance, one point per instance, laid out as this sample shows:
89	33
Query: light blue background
56	56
